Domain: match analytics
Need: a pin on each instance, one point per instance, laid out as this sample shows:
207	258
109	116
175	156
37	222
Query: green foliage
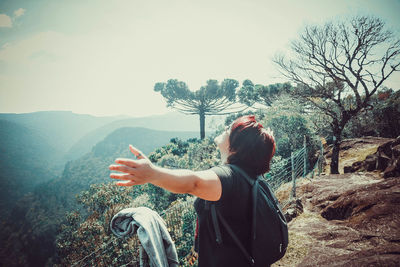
186	240
192	154
250	93
100	197
289	132
90	238
260	114
90	242
176	147
381	119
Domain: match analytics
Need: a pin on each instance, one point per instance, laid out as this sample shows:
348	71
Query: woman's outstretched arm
203	184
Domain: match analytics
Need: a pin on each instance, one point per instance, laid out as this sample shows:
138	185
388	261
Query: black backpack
269	233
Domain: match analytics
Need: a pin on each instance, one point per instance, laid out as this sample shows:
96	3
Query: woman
246	144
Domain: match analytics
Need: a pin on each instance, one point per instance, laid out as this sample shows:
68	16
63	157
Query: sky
103	57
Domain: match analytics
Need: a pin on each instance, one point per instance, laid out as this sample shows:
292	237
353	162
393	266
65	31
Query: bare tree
339	61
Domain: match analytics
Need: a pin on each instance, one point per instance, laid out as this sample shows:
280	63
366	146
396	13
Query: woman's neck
224	158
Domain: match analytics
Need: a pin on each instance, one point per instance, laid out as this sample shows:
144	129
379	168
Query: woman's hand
203	184
133	172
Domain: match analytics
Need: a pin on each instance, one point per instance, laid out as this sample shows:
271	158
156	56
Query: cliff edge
350	219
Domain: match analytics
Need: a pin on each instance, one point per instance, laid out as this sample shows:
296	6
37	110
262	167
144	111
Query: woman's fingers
126	183
139	154
128	179
127	162
121	176
128	167
122	168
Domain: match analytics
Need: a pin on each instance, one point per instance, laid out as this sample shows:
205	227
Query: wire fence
289	170
293	168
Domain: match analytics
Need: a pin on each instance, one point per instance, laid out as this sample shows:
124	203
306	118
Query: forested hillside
35	219
26	160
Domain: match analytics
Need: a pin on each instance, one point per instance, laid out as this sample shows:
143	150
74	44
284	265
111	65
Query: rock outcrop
386	159
348	220
354	150
351	219
293	209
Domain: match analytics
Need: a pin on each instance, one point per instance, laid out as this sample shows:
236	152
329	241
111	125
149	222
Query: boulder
386	159
393	169
348	220
348	169
371	162
293	209
396	151
353	168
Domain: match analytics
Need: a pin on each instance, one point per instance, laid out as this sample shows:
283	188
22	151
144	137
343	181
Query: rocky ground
350	219
354	150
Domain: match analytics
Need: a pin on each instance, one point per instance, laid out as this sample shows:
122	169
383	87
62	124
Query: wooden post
321	156
293	195
305	158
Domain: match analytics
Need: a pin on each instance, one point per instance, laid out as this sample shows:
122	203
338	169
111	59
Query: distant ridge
61	129
74	135
168	122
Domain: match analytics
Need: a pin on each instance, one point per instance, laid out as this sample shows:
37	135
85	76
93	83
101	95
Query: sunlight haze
104	57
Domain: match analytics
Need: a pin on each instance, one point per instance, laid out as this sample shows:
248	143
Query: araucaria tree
338	62
211	99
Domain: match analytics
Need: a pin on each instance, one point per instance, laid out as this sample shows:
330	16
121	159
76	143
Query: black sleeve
225	175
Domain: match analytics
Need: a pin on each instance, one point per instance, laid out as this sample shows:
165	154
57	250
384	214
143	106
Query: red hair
251	145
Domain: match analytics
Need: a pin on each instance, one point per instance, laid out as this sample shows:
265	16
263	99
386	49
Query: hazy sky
104	57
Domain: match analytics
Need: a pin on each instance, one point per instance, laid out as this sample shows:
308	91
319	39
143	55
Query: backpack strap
214	215
218	236
244	174
255	184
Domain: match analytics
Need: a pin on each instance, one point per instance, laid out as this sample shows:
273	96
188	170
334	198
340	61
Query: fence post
305	158
320	159
293	195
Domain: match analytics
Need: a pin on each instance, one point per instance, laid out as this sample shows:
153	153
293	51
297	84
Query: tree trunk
202	124
337	133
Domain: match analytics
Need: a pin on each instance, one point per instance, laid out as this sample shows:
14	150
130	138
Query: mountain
26	159
61	129
35	220
168	122
73	135
93	166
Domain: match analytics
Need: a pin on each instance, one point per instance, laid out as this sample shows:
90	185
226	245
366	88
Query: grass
299	242
348	157
296	250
